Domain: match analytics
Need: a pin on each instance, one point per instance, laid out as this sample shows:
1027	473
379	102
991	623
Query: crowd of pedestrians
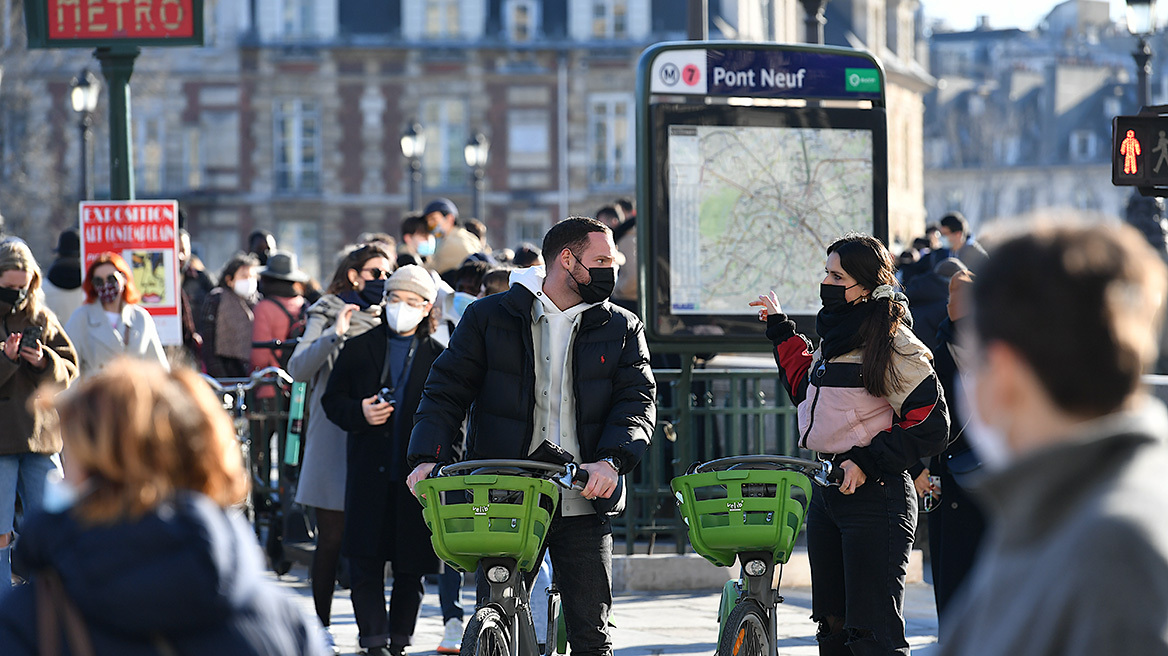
945	383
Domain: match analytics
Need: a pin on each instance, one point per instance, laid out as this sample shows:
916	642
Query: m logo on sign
670	74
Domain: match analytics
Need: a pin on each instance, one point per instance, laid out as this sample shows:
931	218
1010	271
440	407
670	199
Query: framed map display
741	199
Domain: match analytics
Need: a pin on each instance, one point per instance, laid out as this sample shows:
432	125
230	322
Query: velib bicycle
750	509
496	513
268	504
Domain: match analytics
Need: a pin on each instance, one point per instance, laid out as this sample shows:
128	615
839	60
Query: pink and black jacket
883	435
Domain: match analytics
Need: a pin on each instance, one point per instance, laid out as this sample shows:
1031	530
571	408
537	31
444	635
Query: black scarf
840	330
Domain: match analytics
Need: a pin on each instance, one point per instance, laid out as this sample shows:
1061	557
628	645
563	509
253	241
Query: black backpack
296	325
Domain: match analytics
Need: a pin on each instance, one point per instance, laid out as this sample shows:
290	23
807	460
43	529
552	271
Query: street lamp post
1141	22
814	20
475	152
413	146
83	97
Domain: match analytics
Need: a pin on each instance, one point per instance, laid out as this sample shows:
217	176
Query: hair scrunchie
883	291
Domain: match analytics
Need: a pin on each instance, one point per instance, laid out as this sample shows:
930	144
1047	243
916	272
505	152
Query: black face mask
601	286
11	297
374	291
834	297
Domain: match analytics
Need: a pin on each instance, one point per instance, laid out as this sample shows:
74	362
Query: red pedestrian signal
1139	151
1129	148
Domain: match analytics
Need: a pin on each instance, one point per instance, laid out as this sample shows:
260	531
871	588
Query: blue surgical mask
426	248
461	301
946	243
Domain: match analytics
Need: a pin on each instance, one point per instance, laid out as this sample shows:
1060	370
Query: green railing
702	414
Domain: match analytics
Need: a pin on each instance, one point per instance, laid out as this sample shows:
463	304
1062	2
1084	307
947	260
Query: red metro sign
84	23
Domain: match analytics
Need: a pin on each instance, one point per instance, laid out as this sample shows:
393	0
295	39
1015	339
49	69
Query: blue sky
962	15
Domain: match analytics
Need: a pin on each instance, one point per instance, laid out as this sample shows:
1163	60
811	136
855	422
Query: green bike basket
479	516
737	510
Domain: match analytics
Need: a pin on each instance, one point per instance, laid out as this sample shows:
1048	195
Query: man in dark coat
383	522
552	360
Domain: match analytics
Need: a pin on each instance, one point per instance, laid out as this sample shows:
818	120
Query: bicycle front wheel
487	634
745	632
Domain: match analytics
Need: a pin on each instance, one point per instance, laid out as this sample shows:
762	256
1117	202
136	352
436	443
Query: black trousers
581	552
956	528
859	547
375	628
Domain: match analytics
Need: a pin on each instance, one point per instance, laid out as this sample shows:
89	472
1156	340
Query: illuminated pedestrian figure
1129	148
1162	148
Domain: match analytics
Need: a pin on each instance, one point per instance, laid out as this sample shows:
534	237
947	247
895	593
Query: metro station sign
105	23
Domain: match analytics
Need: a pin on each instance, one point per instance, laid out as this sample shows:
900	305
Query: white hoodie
552	333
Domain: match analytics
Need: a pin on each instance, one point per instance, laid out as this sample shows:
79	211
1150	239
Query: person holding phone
869	400
350	307
36	352
372	394
111	323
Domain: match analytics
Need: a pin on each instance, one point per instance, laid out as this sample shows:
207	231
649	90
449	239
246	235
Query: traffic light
1139	151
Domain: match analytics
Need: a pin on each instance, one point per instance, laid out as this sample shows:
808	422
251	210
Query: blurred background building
292	117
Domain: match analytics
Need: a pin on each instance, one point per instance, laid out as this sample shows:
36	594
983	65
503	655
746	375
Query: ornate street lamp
84	95
1141	22
475	152
813	20
413	146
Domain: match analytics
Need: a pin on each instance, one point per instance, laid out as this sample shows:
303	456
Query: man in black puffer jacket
552	360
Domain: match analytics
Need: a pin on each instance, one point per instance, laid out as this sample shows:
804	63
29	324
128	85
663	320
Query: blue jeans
450	594
859	545
22	475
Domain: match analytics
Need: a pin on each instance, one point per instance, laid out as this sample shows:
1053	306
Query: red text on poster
145	234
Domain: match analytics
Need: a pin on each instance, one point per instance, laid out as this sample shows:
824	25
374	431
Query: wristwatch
612	462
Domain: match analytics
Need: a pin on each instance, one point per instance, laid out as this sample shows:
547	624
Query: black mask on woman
834	297
601	285
374	291
11	297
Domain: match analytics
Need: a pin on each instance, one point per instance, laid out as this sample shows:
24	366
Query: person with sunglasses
350	307
869	400
372	394
111	323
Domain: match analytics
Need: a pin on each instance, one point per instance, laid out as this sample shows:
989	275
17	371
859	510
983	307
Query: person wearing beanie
372	394
62	288
455	243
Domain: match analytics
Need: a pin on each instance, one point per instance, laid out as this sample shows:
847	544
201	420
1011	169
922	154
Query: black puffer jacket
489	367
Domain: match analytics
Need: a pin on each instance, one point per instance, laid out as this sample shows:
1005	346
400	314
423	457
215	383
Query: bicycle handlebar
819	471
567	475
244	384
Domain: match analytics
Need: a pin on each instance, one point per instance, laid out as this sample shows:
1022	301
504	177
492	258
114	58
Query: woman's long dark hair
355	259
867	261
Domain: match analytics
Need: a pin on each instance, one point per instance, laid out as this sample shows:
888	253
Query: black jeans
859	546
374	628
581	551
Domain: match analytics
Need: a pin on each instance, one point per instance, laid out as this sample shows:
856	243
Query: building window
443	163
302	238
527	226
1083	146
442	18
191	167
522	18
610	139
296	18
149	154
527	139
297	143
610	19
1025	201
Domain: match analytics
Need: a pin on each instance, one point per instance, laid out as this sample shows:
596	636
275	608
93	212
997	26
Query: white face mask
989	442
402	317
245	287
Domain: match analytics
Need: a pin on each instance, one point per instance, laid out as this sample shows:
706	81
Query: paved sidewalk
648	623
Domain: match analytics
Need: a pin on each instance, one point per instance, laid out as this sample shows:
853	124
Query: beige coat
97	343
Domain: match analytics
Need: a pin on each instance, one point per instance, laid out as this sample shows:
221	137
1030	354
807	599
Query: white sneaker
330	641
451	637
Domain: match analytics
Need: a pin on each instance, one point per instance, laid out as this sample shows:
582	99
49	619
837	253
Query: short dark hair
237	262
476	228
932	227
526	255
258	234
626	206
1081	305
413	224
610	210
571	233
955	222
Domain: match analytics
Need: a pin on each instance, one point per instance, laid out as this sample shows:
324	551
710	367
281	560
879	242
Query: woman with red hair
111	323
